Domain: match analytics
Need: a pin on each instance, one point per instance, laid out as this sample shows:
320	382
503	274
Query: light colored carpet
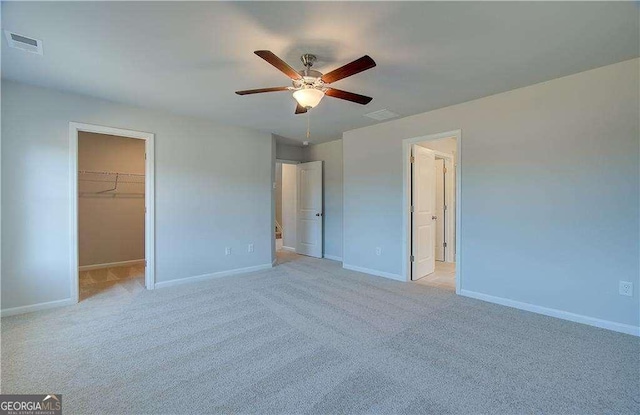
310	337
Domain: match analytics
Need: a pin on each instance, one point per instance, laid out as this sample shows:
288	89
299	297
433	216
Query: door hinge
412	159
145	262
444	169
411	209
411	258
445	207
145	156
444	244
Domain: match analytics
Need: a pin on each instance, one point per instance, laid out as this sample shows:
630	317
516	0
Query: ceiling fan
310	86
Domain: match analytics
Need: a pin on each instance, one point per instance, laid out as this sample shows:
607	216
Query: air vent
22	42
381	115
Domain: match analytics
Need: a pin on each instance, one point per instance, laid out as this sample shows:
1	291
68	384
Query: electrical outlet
250	249
378	251
227	251
626	288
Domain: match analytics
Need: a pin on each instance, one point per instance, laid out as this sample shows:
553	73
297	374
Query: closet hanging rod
110	173
109	181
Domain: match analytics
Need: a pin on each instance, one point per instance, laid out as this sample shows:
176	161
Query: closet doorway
112	232
431	210
299	207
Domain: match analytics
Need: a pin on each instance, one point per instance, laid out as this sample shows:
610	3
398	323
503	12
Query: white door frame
406	200
149	200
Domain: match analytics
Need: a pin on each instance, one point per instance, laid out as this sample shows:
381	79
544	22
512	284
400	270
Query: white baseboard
36	307
334	258
374	272
552	312
288	248
112	264
211	276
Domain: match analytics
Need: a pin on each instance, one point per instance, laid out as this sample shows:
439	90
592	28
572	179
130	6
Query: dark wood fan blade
349	96
300	109
261	90
281	65
349	69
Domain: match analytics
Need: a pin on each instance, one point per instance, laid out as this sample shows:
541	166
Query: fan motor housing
310	78
310	73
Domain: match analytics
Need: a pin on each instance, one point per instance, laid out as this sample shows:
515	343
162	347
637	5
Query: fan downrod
308	59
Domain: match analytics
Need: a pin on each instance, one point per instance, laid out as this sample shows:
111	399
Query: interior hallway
444	276
308	336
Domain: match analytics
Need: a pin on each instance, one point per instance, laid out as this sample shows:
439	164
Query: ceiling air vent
21	42
381	115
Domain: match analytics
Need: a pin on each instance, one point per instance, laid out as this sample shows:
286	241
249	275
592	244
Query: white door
440	222
309	211
423	196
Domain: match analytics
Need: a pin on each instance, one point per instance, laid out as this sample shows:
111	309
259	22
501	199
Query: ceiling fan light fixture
308	97
309	85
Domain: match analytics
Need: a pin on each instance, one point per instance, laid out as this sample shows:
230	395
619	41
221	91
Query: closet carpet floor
308	337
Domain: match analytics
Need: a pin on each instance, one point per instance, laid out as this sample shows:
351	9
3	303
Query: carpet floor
308	337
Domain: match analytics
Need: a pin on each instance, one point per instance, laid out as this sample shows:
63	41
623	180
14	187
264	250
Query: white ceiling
189	58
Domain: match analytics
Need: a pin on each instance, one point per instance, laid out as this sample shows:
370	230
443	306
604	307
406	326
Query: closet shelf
113	173
114	179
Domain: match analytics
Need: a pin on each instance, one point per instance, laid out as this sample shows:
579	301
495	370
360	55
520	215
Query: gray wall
549	192
286	152
110	226
213	189
331	155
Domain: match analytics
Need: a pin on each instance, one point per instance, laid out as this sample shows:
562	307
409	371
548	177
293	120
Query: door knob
434	217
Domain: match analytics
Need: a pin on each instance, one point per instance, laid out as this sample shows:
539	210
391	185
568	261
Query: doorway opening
286	202
112	211
432	210
299	208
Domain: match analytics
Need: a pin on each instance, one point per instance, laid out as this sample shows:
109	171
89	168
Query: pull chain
308	124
